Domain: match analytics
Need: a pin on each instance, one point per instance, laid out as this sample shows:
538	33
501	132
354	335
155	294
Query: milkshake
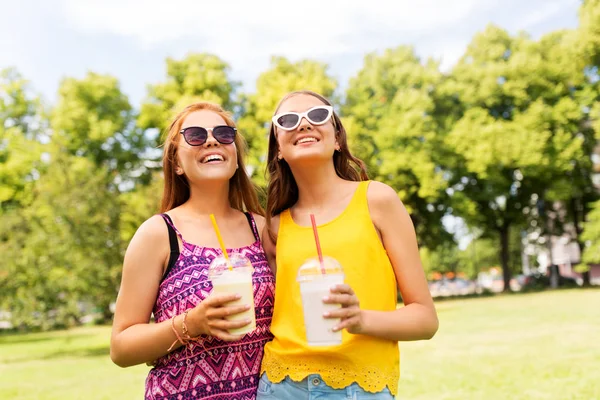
235	280
314	285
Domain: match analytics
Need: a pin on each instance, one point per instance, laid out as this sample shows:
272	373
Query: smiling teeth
306	140
212	157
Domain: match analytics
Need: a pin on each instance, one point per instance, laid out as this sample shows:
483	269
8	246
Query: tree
445	258
197	77
94	119
519	132
20	132
397	123
589	32
258	108
591	236
586	57
480	255
64	246
63	249
138	205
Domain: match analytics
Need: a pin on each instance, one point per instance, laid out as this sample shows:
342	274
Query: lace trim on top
373	379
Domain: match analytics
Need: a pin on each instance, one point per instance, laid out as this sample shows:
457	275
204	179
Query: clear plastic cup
314	285
237	280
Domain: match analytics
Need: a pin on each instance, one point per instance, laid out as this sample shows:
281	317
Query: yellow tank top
350	238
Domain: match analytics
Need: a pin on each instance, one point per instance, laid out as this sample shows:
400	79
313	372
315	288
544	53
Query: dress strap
169	221
173	243
252	225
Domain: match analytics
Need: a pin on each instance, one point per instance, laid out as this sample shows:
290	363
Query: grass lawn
522	346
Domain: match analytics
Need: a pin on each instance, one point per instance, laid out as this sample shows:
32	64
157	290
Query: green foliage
197	77
591	236
444	258
138	205
519	138
589	31
94	119
20	150
63	248
396	126
505	140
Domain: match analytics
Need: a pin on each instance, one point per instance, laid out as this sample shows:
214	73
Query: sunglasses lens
287	121
224	134
195	136
318	115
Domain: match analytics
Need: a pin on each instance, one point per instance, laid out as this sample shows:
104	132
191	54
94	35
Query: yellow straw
221	243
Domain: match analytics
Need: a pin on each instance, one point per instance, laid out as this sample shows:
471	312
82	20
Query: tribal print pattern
211	368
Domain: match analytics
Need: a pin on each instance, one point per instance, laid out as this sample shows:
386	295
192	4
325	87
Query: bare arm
417	320
134	340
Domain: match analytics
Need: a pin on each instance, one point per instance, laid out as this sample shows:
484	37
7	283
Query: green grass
72	364
524	346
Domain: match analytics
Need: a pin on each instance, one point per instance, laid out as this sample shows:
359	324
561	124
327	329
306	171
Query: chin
309	157
213	178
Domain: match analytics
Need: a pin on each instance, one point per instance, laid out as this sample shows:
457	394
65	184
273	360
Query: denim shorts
312	388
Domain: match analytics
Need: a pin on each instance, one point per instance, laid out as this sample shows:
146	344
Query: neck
317	184
209	198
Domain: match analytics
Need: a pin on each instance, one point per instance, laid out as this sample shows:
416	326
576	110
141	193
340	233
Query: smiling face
211	160
307	142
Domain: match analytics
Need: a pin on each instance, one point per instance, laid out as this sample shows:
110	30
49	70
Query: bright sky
51	39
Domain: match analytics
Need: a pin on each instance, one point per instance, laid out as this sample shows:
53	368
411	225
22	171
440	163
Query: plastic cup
235	277
314	285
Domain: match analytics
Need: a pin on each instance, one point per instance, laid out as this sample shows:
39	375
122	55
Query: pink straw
319	252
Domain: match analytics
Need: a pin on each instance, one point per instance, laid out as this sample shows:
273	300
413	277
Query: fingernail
325	298
326	314
238	296
335	328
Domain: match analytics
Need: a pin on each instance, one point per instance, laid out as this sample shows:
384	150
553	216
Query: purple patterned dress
225	370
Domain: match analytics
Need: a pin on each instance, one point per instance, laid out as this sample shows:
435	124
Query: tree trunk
504	255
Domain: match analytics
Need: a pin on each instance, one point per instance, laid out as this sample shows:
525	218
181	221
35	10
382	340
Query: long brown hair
242	192
282	192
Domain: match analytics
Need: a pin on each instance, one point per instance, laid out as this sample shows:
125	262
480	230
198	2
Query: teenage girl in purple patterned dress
165	270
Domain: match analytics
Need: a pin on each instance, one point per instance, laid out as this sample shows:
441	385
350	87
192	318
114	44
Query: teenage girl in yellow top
363	225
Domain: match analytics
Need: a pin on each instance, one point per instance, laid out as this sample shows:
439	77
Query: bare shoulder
147	253
153	229
380	196
151	239
385	206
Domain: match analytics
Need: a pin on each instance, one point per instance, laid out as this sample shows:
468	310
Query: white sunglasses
288	121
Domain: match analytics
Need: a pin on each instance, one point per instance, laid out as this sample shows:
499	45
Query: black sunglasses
197	136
